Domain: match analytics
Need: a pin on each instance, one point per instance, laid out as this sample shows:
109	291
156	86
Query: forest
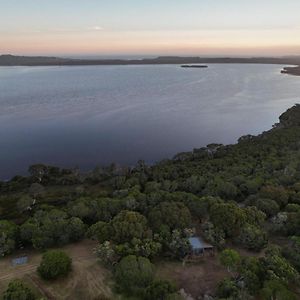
241	196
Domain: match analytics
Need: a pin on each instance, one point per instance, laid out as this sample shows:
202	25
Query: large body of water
90	115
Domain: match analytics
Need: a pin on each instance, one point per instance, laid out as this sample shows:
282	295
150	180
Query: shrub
17	290
54	264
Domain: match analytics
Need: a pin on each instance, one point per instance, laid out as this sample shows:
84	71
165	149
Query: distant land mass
12	60
291	70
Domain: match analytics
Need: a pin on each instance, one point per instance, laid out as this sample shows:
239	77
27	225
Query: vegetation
243	196
134	274
54	264
17	290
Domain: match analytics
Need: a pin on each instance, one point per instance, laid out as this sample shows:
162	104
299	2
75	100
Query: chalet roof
198	243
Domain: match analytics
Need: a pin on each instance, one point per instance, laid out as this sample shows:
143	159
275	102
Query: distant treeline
11	60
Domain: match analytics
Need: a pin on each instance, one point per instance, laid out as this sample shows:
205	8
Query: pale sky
150	27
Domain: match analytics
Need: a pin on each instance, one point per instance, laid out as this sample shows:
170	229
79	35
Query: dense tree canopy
245	195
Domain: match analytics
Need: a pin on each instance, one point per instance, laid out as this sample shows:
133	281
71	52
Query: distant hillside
11	60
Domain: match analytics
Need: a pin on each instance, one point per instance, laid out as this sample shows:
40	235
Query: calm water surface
90	115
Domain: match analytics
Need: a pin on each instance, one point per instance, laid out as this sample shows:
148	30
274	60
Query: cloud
96	28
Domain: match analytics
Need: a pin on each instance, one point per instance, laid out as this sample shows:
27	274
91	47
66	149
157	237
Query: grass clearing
88	280
195	278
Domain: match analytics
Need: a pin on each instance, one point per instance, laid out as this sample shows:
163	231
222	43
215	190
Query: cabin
199	248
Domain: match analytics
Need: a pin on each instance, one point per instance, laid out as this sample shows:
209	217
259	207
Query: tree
276	193
159	290
134	274
75	229
230	259
292	252
227	289
173	214
146	248
278	268
106	253
227	216
8	236
49	228
36	191
17	290
128	225
101	231
252	238
179	244
80	208
268	206
254	216
38	171
54	264
214	235
274	289
25	203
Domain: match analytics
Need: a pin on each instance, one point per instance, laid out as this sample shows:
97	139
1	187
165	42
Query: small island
194	66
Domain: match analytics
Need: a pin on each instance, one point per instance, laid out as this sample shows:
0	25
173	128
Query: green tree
128	225
268	206
25	203
230	259
159	290
252	238
54	264
278	268
75	229
101	231
8	236
173	214
179	244
17	290
276	193
50	228
227	289
214	235
276	290
134	274
227	216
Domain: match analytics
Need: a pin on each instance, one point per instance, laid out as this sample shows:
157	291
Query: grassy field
88	279
195	278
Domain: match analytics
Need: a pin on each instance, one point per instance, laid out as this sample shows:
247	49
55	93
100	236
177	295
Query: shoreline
295	71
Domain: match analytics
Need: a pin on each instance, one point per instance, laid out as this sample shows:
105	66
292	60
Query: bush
159	290
17	290
54	264
134	274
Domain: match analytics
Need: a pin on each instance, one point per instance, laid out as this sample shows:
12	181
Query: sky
149	27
